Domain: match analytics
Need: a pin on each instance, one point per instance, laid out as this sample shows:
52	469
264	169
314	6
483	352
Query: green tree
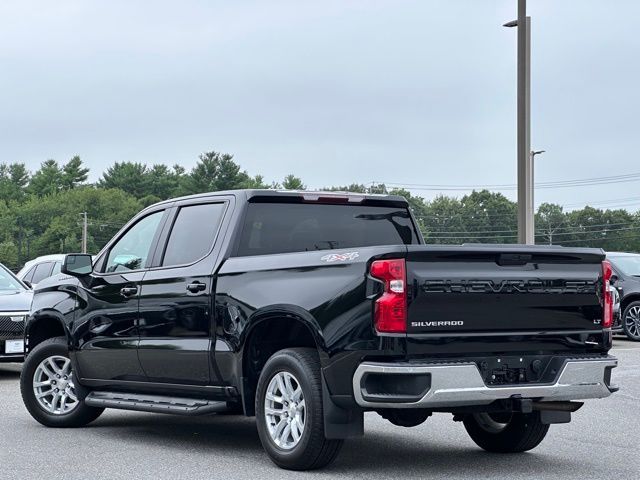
14	179
163	182
443	221
489	217
215	172
377	188
550	220
353	188
611	230
74	173
291	182
9	254
47	180
258	182
52	224
130	177
149	200
40	214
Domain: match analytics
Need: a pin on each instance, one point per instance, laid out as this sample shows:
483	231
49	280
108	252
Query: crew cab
307	309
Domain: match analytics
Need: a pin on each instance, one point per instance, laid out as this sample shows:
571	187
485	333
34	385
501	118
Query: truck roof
333	197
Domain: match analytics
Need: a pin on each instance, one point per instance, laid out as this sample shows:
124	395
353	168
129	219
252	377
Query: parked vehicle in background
307	309
626	280
617	313
36	270
15	301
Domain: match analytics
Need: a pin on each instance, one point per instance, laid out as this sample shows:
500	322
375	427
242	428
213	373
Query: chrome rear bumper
460	384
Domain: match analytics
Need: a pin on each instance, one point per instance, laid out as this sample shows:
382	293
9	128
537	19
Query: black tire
80	416
635	335
313	450
407	418
523	432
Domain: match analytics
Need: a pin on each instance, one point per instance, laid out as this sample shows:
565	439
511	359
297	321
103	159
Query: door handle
128	291
99	325
196	287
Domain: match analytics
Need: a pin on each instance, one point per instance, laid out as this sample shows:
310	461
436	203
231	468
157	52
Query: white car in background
15	301
36	270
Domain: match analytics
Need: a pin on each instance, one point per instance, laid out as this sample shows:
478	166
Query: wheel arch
44	325
624	302
272	329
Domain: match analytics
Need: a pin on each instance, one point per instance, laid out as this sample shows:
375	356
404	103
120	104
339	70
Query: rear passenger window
43	270
193	233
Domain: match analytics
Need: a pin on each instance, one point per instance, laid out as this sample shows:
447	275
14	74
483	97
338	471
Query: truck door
105	329
176	307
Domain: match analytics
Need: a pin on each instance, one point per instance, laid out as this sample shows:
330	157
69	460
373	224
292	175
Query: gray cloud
334	91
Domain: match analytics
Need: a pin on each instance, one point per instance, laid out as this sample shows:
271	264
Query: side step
154	403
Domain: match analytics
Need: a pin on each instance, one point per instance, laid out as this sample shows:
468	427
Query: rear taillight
390	311
607	297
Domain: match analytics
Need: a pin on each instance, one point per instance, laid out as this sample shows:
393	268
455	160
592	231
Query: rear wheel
506	432
631	321
289	411
48	387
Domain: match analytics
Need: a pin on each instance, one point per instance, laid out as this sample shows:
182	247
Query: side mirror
613	279
77	264
28	284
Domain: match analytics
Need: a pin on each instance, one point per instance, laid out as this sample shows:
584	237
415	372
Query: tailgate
496	288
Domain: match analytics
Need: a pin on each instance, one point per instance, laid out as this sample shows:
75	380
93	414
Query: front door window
132	251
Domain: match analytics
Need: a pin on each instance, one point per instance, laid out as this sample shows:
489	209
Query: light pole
525	180
84	232
531	214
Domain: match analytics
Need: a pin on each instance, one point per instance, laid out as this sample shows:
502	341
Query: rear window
43	270
284	228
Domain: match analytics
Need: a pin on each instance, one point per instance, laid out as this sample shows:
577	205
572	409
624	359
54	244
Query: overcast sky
334	91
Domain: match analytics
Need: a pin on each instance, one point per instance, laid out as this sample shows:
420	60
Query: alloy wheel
284	410
632	321
53	385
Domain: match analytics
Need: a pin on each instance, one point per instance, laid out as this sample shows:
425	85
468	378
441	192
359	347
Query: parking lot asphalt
602	442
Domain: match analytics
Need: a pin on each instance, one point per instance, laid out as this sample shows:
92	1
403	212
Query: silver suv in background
15	301
36	270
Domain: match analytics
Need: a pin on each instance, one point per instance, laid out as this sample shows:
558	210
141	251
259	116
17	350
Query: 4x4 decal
340	257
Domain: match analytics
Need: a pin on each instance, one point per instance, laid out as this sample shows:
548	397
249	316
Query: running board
154	403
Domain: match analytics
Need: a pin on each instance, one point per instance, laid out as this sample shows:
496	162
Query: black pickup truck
306	310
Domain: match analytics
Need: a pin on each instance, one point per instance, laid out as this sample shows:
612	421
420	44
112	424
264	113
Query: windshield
8	281
629	264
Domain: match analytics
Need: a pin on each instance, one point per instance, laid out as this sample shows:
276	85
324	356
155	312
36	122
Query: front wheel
631	321
48	387
506	432
289	412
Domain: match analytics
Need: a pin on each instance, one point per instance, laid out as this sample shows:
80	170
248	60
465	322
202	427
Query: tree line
40	211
